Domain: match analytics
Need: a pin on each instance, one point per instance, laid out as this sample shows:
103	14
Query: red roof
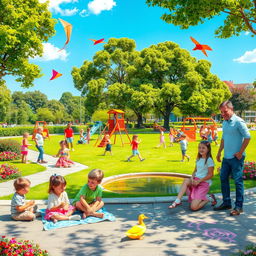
230	84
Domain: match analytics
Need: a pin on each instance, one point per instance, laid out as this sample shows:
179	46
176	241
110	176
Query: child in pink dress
24	148
162	139
58	207
63	155
198	185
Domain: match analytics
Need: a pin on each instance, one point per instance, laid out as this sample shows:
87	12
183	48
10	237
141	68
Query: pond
163	184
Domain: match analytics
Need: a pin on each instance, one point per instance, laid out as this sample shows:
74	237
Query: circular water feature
149	183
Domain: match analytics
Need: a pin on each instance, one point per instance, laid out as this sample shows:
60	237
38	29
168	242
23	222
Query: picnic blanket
68	223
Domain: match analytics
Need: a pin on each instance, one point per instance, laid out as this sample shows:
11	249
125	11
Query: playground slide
95	127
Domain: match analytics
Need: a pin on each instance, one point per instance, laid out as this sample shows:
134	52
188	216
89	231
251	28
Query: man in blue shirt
235	139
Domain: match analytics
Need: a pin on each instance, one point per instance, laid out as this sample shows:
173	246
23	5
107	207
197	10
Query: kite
55	74
201	47
98	41
68	29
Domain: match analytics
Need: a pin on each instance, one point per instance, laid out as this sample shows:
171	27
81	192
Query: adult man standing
235	139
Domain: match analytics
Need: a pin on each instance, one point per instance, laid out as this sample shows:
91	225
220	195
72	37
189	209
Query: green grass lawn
157	160
25	169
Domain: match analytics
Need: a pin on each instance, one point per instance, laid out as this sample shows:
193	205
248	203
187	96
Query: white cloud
52	53
247	33
54	6
248	57
84	13
97	6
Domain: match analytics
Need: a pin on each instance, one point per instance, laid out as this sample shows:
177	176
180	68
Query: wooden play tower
114	125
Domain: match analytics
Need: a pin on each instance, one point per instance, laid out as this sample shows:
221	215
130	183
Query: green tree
5	100
100	115
179	80
45	114
36	100
109	66
243	99
23	113
25	24
57	109
240	15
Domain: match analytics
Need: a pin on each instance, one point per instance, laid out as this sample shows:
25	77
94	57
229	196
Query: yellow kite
68	29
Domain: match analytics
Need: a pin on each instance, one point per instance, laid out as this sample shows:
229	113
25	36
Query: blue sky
135	20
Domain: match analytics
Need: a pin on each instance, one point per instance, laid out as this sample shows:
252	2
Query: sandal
214	200
174	205
236	211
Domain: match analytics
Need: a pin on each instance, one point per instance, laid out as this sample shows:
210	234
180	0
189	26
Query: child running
184	147
135	143
88	200
172	134
198	185
108	145
64	156
24	148
20	209
162	139
58	207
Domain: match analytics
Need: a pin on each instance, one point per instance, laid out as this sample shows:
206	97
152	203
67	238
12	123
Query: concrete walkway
174	232
6	188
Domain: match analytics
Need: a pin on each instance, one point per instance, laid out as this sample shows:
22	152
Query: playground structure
115	124
97	125
190	130
45	129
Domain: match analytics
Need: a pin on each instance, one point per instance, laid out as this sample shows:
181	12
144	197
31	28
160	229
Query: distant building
249	116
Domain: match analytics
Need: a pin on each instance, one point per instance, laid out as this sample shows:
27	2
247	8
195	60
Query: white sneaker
75	217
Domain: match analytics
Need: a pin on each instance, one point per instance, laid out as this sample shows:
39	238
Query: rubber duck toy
136	232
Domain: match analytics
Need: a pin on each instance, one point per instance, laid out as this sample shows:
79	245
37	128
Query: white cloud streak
54	6
52	53
97	6
248	57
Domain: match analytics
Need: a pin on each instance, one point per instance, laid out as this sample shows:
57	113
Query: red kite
201	47
98	41
55	74
68	29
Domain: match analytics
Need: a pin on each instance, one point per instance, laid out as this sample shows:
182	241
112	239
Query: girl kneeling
198	185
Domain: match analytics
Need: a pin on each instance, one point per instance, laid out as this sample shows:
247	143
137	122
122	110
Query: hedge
9	145
19	131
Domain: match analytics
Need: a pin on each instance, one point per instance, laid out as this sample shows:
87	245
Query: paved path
6	188
176	232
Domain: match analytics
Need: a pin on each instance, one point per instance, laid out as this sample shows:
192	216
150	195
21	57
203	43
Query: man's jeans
41	153
233	167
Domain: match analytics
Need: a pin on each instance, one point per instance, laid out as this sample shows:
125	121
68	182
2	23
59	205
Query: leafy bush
19	131
8	155
21	247
10	145
249	172
8	172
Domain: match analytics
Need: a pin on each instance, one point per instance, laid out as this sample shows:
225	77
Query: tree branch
231	13
246	20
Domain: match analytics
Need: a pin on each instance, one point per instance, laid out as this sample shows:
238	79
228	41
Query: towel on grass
67	223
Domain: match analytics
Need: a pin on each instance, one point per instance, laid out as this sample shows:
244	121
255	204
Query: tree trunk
139	120
166	115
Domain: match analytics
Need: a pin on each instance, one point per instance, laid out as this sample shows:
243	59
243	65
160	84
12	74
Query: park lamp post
80	113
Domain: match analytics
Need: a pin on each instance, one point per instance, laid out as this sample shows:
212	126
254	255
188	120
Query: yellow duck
136	232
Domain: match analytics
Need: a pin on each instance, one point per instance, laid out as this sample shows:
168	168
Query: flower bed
8	155
250	250
8	172
249	172
20	248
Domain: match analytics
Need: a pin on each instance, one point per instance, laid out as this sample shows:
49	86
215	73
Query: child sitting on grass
88	200
20	209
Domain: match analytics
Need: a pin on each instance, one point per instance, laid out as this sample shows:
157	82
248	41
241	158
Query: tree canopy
240	15
24	25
